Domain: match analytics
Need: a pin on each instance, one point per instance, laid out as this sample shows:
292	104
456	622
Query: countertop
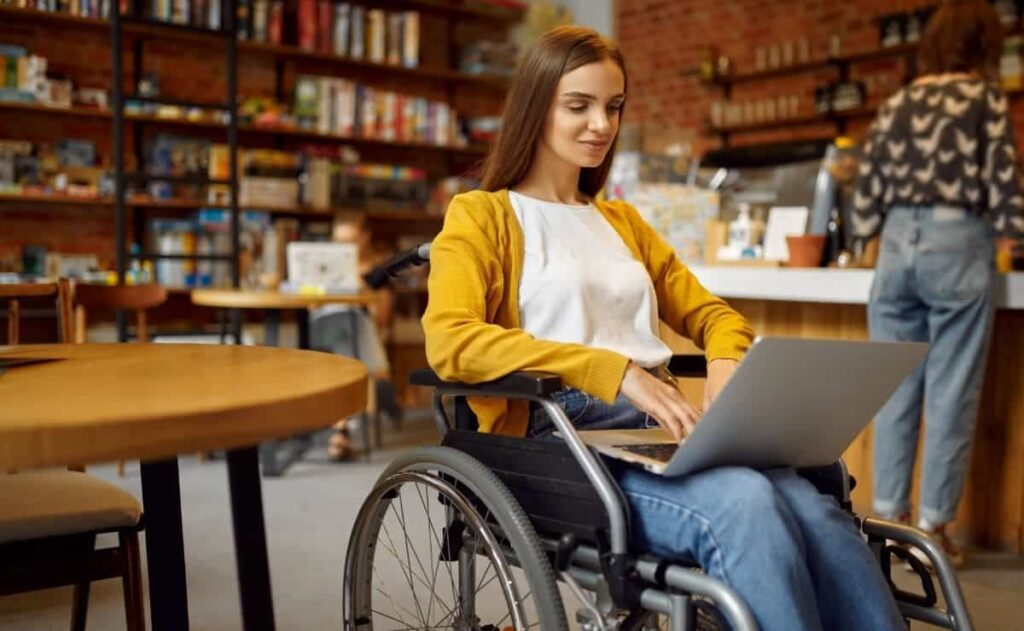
842	286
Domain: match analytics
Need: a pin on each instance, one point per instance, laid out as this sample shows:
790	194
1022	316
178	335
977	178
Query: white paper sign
334	267
782	222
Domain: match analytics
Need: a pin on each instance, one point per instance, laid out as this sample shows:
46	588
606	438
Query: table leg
271	325
302	319
165	546
250	540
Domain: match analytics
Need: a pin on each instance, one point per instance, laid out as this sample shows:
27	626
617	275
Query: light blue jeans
933	283
793	554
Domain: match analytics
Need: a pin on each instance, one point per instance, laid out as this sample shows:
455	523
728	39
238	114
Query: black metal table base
250	540
165	546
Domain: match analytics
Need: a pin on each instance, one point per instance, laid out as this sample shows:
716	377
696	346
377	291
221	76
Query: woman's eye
615	107
577	109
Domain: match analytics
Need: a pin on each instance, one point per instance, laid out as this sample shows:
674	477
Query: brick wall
662	39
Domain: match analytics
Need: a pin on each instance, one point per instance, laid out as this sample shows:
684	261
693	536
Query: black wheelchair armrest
528	384
541	384
688	366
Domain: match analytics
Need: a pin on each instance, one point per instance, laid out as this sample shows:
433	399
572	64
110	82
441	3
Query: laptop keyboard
658	451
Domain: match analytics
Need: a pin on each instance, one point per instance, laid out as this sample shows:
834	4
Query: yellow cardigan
472	318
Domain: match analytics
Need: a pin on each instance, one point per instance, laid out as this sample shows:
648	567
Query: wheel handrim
420	590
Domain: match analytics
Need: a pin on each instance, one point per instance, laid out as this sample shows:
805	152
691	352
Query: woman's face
584	117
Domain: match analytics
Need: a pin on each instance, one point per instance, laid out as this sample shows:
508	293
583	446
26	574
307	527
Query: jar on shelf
1011	70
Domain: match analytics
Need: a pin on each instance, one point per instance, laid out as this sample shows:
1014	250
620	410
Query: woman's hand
719	373
664	403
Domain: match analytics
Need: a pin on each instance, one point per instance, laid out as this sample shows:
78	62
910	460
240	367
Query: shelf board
43	198
58	18
194	204
151	26
285	51
801	121
891	52
460	9
888	52
38	108
312	136
470	151
771	73
403	215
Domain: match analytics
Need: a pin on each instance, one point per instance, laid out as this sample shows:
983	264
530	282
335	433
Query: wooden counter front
991	513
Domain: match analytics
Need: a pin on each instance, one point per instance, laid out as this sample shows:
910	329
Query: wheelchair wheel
440	543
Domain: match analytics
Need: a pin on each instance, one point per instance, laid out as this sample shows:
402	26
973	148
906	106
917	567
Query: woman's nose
599	121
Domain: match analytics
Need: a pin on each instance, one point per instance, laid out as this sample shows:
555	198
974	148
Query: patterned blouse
944	142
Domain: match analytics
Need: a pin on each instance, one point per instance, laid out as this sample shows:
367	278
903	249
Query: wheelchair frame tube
606	489
586	568
956	617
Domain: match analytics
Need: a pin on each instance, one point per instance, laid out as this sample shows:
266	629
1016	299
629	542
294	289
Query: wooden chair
15	294
49	520
137	298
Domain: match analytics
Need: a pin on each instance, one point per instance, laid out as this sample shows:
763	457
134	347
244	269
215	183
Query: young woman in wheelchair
533	273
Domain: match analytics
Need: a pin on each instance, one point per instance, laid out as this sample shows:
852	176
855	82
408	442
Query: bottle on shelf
835	238
741	229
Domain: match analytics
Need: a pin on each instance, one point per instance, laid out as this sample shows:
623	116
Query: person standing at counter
939	181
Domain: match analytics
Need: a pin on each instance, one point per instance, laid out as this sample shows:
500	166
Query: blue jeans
933	283
793	554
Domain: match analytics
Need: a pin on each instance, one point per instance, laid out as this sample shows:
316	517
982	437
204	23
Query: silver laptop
791	402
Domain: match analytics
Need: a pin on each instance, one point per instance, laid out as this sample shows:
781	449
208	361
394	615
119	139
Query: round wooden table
253	299
103	402
277	456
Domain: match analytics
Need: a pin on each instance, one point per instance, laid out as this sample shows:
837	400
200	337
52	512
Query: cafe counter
831	303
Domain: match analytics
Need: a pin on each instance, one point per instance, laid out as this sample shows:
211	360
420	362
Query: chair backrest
14	294
137	298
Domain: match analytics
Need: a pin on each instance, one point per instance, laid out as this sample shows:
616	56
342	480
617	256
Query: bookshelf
269	70
12	14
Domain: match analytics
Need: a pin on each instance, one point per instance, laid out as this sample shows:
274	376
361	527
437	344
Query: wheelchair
496	533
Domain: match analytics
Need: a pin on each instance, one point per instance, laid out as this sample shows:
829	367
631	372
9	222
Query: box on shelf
271	192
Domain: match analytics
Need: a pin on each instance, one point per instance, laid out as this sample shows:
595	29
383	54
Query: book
394	38
213	14
411	40
306	101
324	108
260	17
243	17
357	40
367	112
345	107
306	18
342	19
324	29
275	22
376	35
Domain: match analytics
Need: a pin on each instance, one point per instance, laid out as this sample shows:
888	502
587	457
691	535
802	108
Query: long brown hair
559	51
962	36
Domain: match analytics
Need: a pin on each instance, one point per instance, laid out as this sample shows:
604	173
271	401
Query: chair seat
37	504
